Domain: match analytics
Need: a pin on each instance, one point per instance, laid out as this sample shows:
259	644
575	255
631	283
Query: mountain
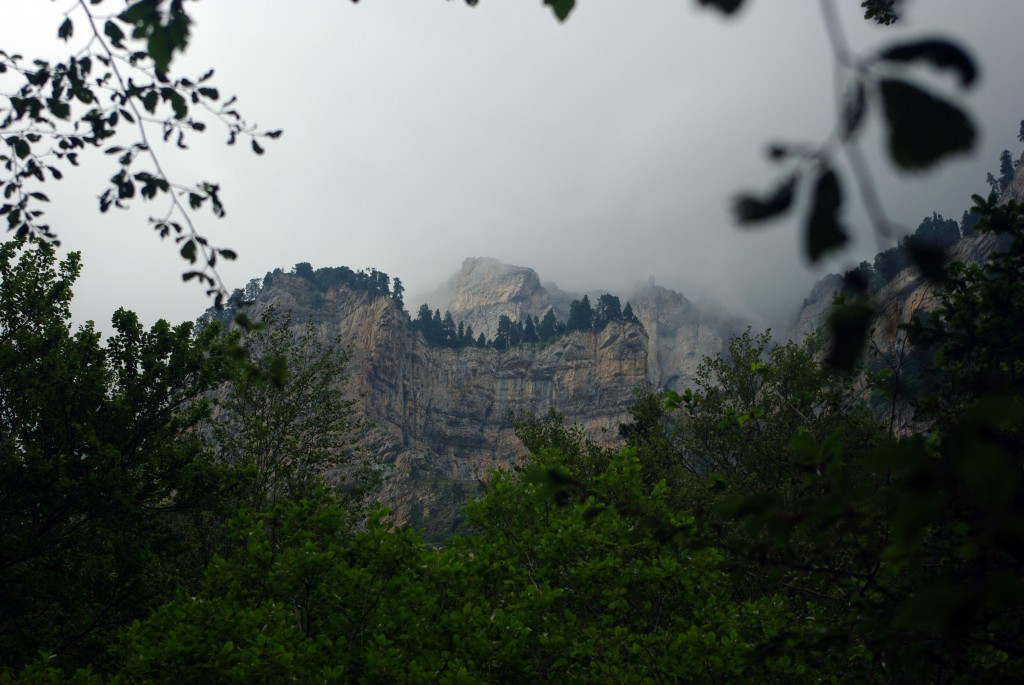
442	416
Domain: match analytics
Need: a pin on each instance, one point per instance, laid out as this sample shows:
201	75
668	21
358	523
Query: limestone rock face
907	294
816	306
910	292
680	333
1015	191
442	415
486	289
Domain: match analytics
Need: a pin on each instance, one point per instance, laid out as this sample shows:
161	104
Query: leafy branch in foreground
116	85
922	130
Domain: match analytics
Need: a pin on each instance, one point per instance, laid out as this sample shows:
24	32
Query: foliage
856	556
581	458
761	428
288	437
910	545
882	11
442	331
977	330
117	81
106	491
539	592
581	315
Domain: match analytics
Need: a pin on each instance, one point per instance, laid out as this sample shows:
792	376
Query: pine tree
529	331
396	292
581	316
516	333
627	314
423	320
548	327
436	328
449	335
967	222
1005	170
608	310
503	336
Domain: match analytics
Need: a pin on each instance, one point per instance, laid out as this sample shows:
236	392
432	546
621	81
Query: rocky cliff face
680	334
442	415
487	289
908	293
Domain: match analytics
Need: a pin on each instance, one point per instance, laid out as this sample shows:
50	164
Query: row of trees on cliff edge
443	331
370	280
436	329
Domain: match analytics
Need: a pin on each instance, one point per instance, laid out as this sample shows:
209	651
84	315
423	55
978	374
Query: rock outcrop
680	334
485	289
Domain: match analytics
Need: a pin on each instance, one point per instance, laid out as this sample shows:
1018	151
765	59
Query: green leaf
188	251
848	324
824	231
21	147
923	128
724	6
177	100
114	32
39	77
939	53
143	11
931	260
66	29
561	8
59	108
750	209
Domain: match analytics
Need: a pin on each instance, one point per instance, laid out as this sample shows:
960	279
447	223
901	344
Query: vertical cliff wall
442	415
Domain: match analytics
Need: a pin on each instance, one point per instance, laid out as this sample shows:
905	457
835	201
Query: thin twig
197	240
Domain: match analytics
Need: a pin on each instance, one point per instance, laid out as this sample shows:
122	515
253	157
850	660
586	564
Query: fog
600	152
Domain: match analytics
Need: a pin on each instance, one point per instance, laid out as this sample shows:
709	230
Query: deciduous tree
105	485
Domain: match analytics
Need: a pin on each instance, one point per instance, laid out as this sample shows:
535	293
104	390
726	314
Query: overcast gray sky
600	151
